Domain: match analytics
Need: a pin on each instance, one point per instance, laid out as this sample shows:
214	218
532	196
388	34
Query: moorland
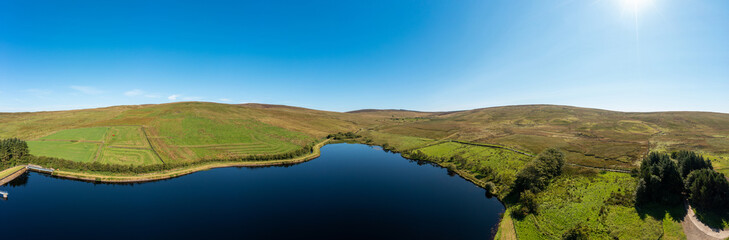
593	193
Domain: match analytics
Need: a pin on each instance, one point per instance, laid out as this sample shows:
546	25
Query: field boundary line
62	140
151	147
599	168
125	147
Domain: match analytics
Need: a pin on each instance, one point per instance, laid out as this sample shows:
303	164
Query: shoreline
167	174
10	177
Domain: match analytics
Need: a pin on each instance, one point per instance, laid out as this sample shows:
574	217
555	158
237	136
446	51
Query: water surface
351	191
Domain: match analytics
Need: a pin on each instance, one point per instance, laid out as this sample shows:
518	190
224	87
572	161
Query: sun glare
635	5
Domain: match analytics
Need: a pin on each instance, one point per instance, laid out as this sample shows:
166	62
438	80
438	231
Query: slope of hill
191	130
487	146
176	132
589	136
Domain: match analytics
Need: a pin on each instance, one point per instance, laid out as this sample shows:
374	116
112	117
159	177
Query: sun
635	5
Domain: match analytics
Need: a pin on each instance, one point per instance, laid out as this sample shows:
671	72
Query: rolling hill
188	131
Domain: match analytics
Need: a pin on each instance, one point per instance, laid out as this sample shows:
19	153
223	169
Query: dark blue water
351	191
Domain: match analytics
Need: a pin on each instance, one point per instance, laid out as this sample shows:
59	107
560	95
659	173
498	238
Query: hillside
191	130
487	146
173	132
589	136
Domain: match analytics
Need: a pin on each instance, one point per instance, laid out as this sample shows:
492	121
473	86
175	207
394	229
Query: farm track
695	229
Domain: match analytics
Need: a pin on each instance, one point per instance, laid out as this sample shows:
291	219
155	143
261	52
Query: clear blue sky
348	55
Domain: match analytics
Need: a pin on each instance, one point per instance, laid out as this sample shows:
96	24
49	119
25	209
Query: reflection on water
351	191
21	180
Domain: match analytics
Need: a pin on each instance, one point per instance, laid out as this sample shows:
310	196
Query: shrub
579	232
528	202
537	174
490	187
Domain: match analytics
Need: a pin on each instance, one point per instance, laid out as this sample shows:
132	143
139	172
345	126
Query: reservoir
352	191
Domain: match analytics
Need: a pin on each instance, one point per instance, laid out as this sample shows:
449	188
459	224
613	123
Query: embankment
14	172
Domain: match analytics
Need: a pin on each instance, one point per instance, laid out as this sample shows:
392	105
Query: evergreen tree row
12	149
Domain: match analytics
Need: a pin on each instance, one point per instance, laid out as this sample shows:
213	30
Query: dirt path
695	229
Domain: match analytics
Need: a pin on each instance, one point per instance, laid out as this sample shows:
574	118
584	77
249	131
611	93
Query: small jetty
37	168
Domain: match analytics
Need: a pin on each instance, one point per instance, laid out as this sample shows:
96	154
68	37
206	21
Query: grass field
504	163
81	134
582	197
123	156
126	136
402	142
75	151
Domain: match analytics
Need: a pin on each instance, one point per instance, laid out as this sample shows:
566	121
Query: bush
579	232
708	189
490	187
342	136
537	174
528	202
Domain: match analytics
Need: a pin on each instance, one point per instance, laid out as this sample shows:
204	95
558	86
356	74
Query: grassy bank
9	171
600	200
116	177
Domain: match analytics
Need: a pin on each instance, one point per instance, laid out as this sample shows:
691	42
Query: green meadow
124	156
584	197
126	136
75	151
80	134
503	162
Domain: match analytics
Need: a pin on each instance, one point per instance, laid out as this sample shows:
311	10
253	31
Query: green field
504	163
74	151
126	136
575	198
123	156
81	134
401	142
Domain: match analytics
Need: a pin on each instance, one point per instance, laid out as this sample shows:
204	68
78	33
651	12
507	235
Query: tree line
342	136
12	150
667	178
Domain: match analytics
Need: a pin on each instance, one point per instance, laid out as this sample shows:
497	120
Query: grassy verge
506	228
9	171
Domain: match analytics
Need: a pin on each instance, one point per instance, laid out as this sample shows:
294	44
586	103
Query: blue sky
348	55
